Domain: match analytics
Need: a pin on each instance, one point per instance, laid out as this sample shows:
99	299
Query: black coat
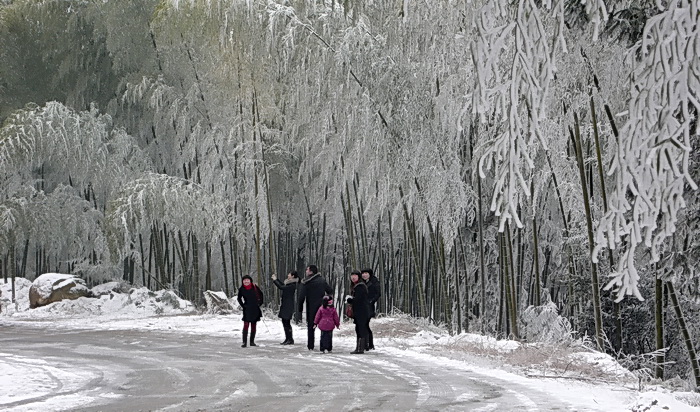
248	299
374	292
313	289
289	291
360	303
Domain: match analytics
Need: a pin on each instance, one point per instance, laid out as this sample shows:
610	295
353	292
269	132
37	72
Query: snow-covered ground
572	374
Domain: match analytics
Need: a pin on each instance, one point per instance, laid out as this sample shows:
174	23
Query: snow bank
135	303
603	362
22	286
470	340
660	402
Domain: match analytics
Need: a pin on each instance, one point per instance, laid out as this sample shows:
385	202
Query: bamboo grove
466	150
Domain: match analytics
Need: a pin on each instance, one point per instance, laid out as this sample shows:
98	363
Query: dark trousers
362	329
369	343
327	340
310	334
287	327
286	324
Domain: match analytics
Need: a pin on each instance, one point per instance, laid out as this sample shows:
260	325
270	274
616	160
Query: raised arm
279	284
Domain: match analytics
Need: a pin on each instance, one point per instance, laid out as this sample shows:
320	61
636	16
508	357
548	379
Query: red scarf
249	287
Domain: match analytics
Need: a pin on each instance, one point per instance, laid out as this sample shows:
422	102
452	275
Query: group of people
317	294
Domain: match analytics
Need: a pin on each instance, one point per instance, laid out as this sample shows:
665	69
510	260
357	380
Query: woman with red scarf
250	298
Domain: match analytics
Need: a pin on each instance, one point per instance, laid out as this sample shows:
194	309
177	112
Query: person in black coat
360	309
250	297
374	292
313	288
289	291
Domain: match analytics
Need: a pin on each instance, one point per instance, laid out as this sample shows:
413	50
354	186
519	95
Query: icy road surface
132	370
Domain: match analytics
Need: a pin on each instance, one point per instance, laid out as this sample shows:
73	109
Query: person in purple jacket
327	319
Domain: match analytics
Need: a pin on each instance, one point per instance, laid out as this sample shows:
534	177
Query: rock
53	287
217	303
110	288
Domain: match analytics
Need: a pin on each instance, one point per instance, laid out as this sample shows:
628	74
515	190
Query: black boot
360	347
245	339
369	345
252	339
287	337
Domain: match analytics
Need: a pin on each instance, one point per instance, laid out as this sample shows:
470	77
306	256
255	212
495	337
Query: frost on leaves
652	158
515	43
179	203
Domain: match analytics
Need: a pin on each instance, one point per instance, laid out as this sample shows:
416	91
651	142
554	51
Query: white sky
24	378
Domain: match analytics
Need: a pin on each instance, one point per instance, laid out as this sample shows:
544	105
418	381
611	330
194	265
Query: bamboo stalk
363	257
413	242
503	302
13	266
166	246
601	178
223	262
686	334
482	266
659	321
207	276
535	253
595	286
455	260
509	281
143	261
196	284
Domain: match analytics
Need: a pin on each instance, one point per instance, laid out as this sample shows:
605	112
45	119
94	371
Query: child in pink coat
327	319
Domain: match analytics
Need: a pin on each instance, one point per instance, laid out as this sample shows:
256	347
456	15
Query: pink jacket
327	318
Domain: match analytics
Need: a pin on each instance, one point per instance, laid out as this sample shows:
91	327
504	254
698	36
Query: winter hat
247	277
327	301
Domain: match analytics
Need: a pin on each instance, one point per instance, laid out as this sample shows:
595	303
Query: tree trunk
223	262
686	334
482	266
511	295
659	320
143	261
595	286
413	242
207	278
617	341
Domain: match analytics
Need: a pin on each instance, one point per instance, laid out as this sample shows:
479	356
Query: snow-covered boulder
53	287
110	288
217	303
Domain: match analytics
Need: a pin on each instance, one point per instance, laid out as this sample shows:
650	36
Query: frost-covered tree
59	169
156	199
515	61
652	160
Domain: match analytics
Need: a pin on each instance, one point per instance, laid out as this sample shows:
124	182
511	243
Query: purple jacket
327	318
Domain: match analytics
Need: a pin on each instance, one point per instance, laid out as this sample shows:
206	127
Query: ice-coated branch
183	205
518	101
598	14
652	158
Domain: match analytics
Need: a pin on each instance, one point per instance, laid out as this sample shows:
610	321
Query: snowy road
100	370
